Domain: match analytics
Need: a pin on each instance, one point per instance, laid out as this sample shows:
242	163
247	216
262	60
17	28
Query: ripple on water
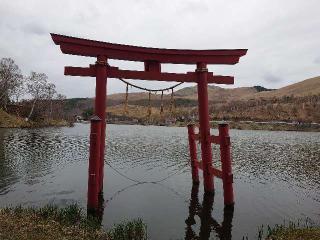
51	164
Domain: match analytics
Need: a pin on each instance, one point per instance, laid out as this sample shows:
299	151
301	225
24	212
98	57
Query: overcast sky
283	37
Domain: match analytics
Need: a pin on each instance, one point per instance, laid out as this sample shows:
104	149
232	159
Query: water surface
276	177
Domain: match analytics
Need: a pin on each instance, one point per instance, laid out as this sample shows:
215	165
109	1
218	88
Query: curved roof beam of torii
91	48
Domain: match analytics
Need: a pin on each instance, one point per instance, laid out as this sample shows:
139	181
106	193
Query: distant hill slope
305	88
217	93
245	103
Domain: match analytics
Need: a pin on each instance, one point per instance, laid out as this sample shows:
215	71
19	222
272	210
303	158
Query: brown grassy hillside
296	102
307	87
217	93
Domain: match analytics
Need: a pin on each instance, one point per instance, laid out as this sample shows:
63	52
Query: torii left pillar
100	112
100	109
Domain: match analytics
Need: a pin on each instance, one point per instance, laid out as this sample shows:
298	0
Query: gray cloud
271	78
193	6
34	28
317	60
281	37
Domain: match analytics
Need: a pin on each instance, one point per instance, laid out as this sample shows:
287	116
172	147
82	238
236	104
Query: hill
304	88
188	94
216	93
298	102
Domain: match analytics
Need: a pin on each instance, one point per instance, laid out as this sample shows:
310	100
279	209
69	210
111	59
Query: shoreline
54	223
11	121
241	125
16	122
32	125
273	126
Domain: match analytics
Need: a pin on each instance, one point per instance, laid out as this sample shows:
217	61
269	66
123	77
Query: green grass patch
54	223
298	230
135	230
305	230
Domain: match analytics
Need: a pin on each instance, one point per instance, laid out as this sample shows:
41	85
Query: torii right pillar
204	129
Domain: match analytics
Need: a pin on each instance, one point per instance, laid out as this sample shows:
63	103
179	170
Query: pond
276	178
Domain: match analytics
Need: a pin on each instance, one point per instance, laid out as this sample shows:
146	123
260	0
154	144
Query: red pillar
206	152
93	178
227	177
193	154
100	109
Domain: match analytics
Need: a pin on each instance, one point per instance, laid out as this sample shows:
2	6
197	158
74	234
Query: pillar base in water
195	182
209	193
97	213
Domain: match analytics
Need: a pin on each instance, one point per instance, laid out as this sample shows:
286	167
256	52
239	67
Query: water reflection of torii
204	211
207	222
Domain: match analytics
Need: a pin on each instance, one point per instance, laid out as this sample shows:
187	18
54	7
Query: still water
276	178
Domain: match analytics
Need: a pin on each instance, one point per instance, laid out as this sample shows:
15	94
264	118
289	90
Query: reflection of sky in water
276	176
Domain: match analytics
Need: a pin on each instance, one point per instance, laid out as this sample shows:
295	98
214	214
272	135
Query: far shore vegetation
11	121
28	101
33	101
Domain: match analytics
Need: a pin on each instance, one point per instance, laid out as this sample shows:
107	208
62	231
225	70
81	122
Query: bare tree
49	95
11	80
36	86
60	104
16	93
61	97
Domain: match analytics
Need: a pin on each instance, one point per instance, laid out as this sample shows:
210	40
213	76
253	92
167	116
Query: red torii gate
152	58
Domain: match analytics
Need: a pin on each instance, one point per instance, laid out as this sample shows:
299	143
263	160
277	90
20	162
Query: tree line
33	93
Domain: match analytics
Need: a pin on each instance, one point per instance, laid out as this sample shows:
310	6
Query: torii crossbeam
152	58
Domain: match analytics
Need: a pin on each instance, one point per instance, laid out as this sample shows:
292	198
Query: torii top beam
152	58
90	48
